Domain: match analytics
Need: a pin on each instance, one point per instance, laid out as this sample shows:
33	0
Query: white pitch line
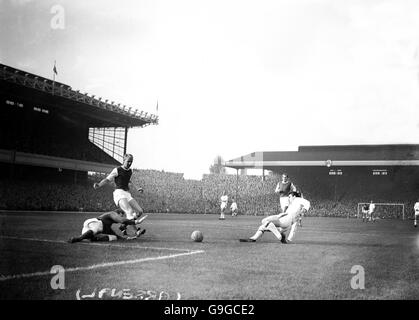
101	265
96	244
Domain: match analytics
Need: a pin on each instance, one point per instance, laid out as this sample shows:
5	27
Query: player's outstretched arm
100	184
133	186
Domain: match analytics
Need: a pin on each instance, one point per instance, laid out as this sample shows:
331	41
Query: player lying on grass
107	227
280	224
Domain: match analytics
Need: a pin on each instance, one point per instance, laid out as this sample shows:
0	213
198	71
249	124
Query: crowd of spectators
33	195
171	193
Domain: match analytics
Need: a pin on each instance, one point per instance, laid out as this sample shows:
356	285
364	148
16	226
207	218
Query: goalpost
384	210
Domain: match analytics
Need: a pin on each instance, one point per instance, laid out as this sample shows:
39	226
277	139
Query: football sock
257	235
100	237
292	232
86	235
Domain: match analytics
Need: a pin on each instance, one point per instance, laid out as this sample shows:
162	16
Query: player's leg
120	232
138	212
134	210
104	237
285	225
285	202
291	234
278	227
136	207
416	216
86	235
274	229
300	220
90	228
222	216
264	226
124	204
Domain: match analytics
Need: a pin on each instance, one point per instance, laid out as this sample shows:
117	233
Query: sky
230	77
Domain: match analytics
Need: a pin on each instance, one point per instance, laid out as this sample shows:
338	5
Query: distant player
106	227
281	223
233	207
284	187
365	210
371	210
416	208
301	215
223	207
121	195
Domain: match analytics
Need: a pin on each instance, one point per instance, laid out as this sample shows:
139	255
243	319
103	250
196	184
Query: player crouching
106	227
284	222
233	208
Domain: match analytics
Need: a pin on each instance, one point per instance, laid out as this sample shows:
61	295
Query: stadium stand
52	136
50	133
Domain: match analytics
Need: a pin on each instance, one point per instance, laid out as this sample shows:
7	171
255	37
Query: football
197	236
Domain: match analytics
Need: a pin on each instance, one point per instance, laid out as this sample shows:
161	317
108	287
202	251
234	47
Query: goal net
383	210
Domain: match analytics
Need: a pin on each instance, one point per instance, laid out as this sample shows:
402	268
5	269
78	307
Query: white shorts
283	221
416	213
94	225
285	202
119	194
223	205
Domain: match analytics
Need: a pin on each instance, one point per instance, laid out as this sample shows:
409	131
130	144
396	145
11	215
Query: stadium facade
339	172
49	130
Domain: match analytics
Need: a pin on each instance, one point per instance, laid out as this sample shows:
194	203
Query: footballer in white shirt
281	223
223	207
371	210
416	208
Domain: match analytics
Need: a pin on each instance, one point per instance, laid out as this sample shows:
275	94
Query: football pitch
330	258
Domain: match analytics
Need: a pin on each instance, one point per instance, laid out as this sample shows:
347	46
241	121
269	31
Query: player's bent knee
262	228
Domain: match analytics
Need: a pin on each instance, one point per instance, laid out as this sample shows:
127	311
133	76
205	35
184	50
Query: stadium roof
58	95
332	155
